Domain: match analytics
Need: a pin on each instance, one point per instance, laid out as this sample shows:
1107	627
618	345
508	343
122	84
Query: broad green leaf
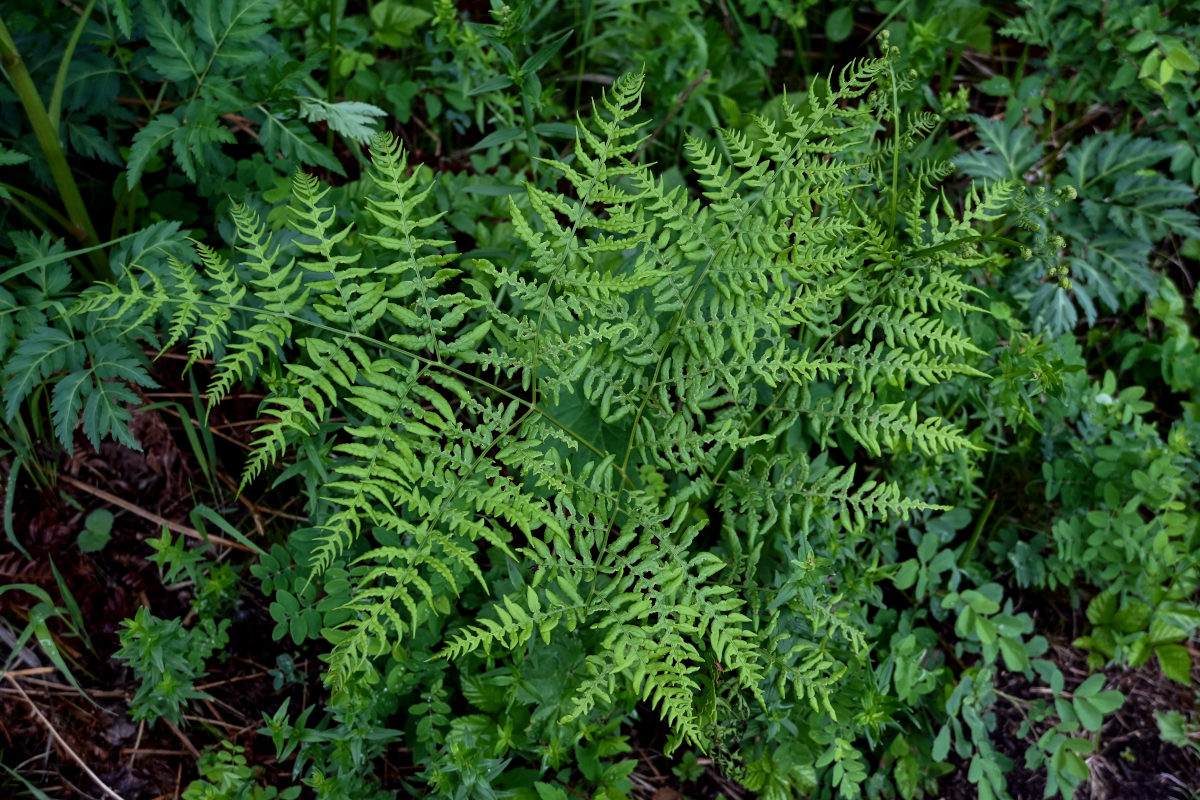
906	576
1140	41
941	744
1180	58
395	22
500	136
545	53
1109	701
491	85
97	531
1089	716
1013	652
980	602
840	24
1176	662
1090	686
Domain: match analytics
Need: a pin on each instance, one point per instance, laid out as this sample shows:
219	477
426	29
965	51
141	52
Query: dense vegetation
600	399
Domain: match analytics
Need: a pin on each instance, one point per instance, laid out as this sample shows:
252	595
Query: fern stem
960	242
895	151
56	160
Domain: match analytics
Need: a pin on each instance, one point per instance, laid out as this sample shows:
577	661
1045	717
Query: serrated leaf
193	143
394	22
45	351
1007	151
87	142
148	141
1132	617
9	158
105	414
352	120
120	11
174	54
295	142
1172	728
1110	156
1102	607
66	404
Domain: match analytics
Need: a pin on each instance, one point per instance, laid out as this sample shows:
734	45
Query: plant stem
40	204
983	518
47	136
331	85
60	80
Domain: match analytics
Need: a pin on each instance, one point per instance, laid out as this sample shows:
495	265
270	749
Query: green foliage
224	775
1125	209
166	658
97	531
642	412
198	50
773	439
91	364
1141	54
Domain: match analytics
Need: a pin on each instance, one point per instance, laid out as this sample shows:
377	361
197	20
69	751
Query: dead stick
185	530
74	756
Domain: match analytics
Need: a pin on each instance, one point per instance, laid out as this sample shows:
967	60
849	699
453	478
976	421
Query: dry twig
62	742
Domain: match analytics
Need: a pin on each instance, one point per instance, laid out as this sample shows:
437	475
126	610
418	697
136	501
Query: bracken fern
667	369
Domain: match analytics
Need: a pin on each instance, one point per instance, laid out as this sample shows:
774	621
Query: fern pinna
678	395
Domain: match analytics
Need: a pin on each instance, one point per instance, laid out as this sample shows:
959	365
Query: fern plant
672	395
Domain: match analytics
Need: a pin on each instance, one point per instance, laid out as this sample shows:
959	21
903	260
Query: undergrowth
767	427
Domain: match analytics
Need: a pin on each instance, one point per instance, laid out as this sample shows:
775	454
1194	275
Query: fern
662	368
